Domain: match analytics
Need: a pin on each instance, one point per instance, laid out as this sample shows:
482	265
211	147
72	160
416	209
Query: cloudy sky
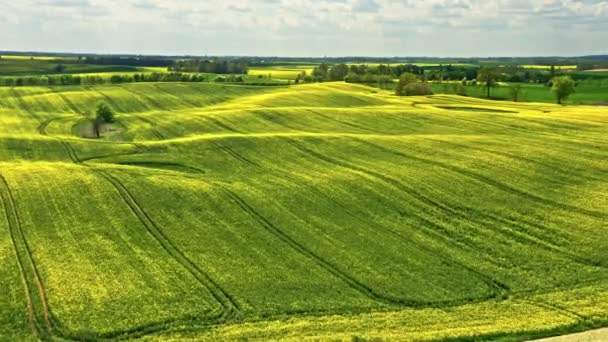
308	27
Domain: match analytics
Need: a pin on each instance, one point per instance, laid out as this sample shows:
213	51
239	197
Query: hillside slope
326	211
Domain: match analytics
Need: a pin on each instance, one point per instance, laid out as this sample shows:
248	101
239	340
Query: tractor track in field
181	99
143	96
153	126
346	278
516	157
327	266
521	237
24	105
347	210
224	298
526	130
260	112
108	99
10	208
491	182
221	296
26	262
445	235
45	124
554	307
514	234
344	123
68	102
159	327
488	280
234	154
218	123
497	290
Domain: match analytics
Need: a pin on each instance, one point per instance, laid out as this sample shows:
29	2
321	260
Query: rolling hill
322	211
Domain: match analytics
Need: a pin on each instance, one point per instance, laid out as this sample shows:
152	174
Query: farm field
327	211
587	92
40	65
286	72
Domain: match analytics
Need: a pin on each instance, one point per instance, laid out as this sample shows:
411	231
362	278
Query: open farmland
322	211
286	72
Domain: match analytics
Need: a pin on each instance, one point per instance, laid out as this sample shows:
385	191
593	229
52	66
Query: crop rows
226	212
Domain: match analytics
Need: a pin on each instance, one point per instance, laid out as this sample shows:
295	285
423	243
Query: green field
587	92
323	211
286	72
26	66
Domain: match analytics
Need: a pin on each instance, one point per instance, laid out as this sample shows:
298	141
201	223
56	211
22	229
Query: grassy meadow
326	211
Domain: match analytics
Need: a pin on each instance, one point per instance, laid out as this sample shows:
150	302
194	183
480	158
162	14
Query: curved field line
153	126
494	183
515	234
107	156
345	123
501	288
492	283
19	239
286	175
525	130
157	105
223	297
182	99
70	151
10	208
268	226
24	105
555	307
108	99
158	166
68	102
234	154
514	157
45	124
332	269
219	123
259	112
432	203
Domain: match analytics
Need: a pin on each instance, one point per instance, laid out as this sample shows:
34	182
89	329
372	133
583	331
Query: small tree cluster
410	86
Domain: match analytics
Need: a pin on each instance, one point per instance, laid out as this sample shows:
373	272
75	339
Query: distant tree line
385	73
215	66
359	73
128	61
63	80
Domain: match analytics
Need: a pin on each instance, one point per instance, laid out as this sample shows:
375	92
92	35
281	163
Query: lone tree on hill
563	87
104	114
488	75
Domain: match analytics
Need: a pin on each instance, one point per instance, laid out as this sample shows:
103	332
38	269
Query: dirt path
598	335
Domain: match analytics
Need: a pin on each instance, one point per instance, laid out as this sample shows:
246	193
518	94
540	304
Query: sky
438	28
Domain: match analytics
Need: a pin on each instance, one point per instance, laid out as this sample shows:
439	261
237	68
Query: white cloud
307	27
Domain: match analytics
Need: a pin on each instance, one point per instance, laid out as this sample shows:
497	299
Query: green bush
417	89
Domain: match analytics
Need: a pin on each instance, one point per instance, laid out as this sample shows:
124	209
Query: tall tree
563	87
489	76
